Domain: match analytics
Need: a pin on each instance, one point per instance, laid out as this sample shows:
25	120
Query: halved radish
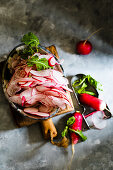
98	120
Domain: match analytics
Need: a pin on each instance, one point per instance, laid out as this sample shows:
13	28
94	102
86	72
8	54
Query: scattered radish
77	125
92	101
85	47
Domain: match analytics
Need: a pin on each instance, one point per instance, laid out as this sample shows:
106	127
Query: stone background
61	23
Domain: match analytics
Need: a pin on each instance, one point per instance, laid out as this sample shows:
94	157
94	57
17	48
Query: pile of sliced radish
47	87
96	119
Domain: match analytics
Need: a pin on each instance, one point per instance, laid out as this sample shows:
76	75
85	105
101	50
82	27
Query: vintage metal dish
6	76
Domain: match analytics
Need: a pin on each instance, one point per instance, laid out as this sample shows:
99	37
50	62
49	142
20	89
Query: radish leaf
31	41
70	121
65	131
80	85
41	64
79	132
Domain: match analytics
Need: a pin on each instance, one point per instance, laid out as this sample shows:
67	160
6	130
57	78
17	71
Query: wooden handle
48	128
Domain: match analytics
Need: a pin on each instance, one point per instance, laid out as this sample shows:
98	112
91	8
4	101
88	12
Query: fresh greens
79	132
70	122
65	131
80	85
41	64
31	41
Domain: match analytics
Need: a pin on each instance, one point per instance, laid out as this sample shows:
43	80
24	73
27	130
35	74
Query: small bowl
6	76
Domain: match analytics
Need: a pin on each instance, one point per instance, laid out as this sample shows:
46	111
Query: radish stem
92	34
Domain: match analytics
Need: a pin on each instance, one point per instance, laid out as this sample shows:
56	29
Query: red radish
84	47
92	101
76	125
51	61
23	100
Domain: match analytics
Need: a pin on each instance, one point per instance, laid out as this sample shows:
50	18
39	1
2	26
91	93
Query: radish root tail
73	152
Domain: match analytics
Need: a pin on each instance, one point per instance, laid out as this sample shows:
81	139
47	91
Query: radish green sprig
80	85
31	41
41	64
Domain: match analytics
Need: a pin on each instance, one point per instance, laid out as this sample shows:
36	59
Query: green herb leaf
65	131
32	43
79	132
80	85
41	64
30	39
70	121
94	83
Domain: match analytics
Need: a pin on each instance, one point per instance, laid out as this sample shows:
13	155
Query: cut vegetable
35	111
98	120
92	101
52	61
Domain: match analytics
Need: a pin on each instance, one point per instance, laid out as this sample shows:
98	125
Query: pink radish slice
23	100
22	83
42	79
66	88
46	73
26	79
98	120
26	84
47	56
16	99
42	88
35	111
52	61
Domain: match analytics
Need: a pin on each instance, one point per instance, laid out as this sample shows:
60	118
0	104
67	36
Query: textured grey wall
62	23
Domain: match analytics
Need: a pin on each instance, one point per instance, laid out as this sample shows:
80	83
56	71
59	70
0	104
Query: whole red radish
84	47
92	101
77	125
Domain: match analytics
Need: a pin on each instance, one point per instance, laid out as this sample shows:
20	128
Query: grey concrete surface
62	23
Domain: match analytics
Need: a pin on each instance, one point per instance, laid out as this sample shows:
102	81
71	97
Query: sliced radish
98	120
35	111
26	84
23	100
26	79
89	121
52	61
